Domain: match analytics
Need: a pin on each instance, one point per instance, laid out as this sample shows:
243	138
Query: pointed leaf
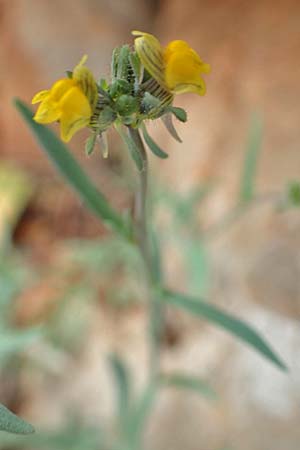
90	144
67	165
137	420
179	113
188	382
13	424
103	141
224	320
156	150
122	381
132	147
167	121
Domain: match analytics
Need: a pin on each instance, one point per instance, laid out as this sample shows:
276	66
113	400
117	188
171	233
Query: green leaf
90	144
155	149
122	63
250	164
188	382
13	424
168	123
197	264
137	69
114	62
122	382
132	147
224	320
179	113
138	418
71	435
67	165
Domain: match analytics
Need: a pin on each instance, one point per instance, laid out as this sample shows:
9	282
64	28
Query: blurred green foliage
114	265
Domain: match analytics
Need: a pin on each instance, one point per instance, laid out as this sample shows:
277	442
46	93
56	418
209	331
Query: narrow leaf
67	165
168	122
122	385
132	147
13	424
137	420
188	382
179	113
224	320
90	144
250	164
103	144
156	150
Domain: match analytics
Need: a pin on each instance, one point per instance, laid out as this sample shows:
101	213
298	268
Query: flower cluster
144	80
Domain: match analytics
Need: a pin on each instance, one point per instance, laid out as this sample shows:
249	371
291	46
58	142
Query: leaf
197	264
156	150
250	164
167	121
122	385
132	147
90	144
103	145
224	320
71	435
179	113
67	165
188	382
137	68
122	64
138	418
15	341
13	424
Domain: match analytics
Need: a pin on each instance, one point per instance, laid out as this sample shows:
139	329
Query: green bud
126	105
119	87
123	62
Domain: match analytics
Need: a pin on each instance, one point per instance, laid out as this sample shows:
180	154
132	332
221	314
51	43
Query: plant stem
144	244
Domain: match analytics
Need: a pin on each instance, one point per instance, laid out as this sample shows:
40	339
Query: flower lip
177	67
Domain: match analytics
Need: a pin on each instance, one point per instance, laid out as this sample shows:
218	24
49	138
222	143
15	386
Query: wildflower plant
145	77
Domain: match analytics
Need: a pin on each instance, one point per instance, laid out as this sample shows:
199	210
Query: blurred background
67	300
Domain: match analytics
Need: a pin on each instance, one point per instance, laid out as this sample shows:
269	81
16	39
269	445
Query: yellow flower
71	101
177	67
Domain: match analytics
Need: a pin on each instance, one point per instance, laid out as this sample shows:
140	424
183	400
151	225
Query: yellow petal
75	113
151	55
47	112
70	125
40	96
175	46
60	87
199	88
183	72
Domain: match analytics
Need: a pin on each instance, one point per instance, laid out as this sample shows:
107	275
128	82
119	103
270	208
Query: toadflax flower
71	101
176	67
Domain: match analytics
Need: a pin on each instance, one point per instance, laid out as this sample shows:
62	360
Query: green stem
144	244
